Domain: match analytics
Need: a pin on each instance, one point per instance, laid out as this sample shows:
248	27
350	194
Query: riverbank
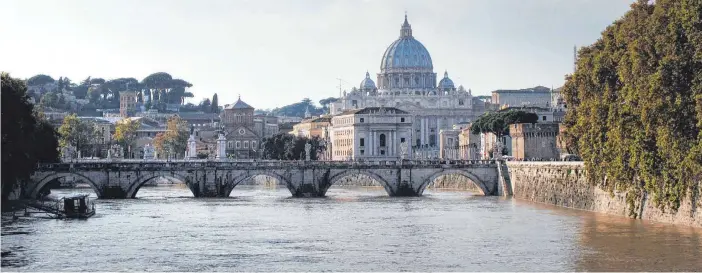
564	184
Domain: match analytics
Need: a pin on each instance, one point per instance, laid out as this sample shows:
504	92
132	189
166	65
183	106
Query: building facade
371	133
238	125
407	82
535	141
539	96
127	103
312	127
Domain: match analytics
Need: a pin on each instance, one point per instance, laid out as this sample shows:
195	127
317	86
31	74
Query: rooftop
537	89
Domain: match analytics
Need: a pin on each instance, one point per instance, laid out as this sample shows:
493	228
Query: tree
77	133
215	104
205	106
175	140
49	99
160	145
26	140
288	147
498	123
126	132
326	102
40	79
635	103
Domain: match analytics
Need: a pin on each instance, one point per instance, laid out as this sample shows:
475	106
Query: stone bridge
118	179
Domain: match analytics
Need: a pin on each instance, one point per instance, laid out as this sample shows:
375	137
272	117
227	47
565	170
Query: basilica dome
446	82
367	83
406	52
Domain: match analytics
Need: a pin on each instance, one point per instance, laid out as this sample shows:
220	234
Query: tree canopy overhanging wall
635	102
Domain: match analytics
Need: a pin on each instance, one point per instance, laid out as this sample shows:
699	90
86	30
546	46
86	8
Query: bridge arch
472	177
34	192
335	178
134	186
232	183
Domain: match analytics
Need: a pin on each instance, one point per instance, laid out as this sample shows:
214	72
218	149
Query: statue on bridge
68	152
116	151
149	151
308	147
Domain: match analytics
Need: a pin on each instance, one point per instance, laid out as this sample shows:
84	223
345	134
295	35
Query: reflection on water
262	228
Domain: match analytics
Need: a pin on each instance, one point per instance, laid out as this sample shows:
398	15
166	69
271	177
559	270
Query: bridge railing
204	163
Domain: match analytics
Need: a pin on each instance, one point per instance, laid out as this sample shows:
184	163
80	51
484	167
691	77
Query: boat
77	206
71	207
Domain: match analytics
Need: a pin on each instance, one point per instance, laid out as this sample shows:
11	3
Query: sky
276	52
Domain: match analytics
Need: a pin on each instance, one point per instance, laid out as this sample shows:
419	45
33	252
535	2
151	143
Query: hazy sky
277	52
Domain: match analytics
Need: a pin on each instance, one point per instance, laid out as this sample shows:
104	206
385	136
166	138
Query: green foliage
498	122
174	141
126	132
26	139
288	147
215	104
40	79
77	133
298	109
635	102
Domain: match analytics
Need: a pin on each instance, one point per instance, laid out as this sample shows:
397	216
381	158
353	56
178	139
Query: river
354	229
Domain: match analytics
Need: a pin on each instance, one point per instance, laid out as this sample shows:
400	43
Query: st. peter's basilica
407	81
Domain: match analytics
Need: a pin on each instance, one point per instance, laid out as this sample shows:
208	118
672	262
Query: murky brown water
359	229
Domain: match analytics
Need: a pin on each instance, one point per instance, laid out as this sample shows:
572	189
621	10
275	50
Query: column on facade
392	143
370	142
421	131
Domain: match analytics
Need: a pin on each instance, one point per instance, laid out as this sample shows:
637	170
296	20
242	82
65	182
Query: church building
407	82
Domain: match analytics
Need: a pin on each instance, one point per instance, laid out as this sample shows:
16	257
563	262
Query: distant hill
297	109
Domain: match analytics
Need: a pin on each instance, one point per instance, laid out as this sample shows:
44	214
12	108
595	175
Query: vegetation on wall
635	102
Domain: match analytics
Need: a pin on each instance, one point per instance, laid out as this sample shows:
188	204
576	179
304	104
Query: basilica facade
407	81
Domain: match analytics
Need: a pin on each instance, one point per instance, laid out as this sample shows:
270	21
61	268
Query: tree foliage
498	122
126	132
26	139
635	102
174	141
215	104
40	79
77	133
289	147
298	109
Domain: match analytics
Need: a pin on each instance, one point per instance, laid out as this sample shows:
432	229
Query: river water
354	229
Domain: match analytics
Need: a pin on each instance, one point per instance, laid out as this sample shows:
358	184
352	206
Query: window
253	144
419	142
382	140
432	140
361	142
361	120
246	144
238	144
354	103
402	140
402	119
544	117
382	152
460	102
230	144
362	152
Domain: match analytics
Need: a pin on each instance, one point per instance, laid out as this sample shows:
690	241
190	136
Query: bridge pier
112	192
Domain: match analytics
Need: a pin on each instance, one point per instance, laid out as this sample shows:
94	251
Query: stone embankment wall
565	184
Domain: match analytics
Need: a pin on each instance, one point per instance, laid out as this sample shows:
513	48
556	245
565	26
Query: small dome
446	83
367	83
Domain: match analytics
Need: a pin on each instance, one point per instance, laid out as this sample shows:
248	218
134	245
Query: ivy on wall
636	103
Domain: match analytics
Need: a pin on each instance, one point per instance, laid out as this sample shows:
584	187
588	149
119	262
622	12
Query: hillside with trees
159	89
635	103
